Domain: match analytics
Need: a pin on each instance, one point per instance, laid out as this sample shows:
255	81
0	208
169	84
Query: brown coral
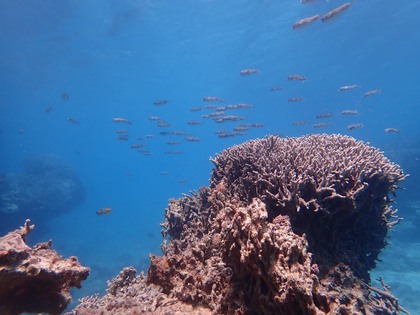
35	279
300	222
287	226
332	187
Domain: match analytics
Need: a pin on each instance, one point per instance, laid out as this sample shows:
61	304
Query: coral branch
386	293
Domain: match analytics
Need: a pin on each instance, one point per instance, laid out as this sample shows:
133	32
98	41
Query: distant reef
47	187
287	226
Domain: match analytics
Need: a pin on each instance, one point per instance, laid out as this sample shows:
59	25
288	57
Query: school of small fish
217	110
211	108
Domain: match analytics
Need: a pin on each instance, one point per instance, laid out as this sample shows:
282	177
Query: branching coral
287	226
298	222
331	187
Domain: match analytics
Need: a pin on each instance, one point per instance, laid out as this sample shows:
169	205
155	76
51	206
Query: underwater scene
116	114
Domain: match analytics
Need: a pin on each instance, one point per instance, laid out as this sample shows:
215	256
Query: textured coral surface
35	279
287	226
129	294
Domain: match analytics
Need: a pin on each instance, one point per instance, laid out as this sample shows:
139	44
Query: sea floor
400	269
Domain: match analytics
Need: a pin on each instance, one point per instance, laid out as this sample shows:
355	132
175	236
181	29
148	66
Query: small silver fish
212	99
194	122
172	142
392	130
321	125
305	21
300	123
334	12
249	71
163	123
295	99
349	112
297	77
192	139
136	146
276	88
65	97
160	102
121	120
372	92
348	87
324	115
104	211
73	120
354	126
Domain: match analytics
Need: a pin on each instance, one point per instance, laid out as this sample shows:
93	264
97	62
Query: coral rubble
287	226
35	279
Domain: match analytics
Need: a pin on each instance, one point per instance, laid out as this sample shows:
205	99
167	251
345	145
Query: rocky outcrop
35	280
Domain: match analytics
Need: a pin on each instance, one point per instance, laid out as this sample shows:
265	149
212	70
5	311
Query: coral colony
35	279
287	226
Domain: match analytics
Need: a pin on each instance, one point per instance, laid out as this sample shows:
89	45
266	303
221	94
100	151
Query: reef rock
35	279
287	226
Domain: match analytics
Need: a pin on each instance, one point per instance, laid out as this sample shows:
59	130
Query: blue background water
115	58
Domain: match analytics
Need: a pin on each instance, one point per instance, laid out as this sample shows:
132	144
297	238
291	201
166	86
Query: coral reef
128	294
47	187
35	279
287	226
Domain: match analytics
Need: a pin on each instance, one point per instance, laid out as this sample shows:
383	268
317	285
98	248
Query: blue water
115	58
